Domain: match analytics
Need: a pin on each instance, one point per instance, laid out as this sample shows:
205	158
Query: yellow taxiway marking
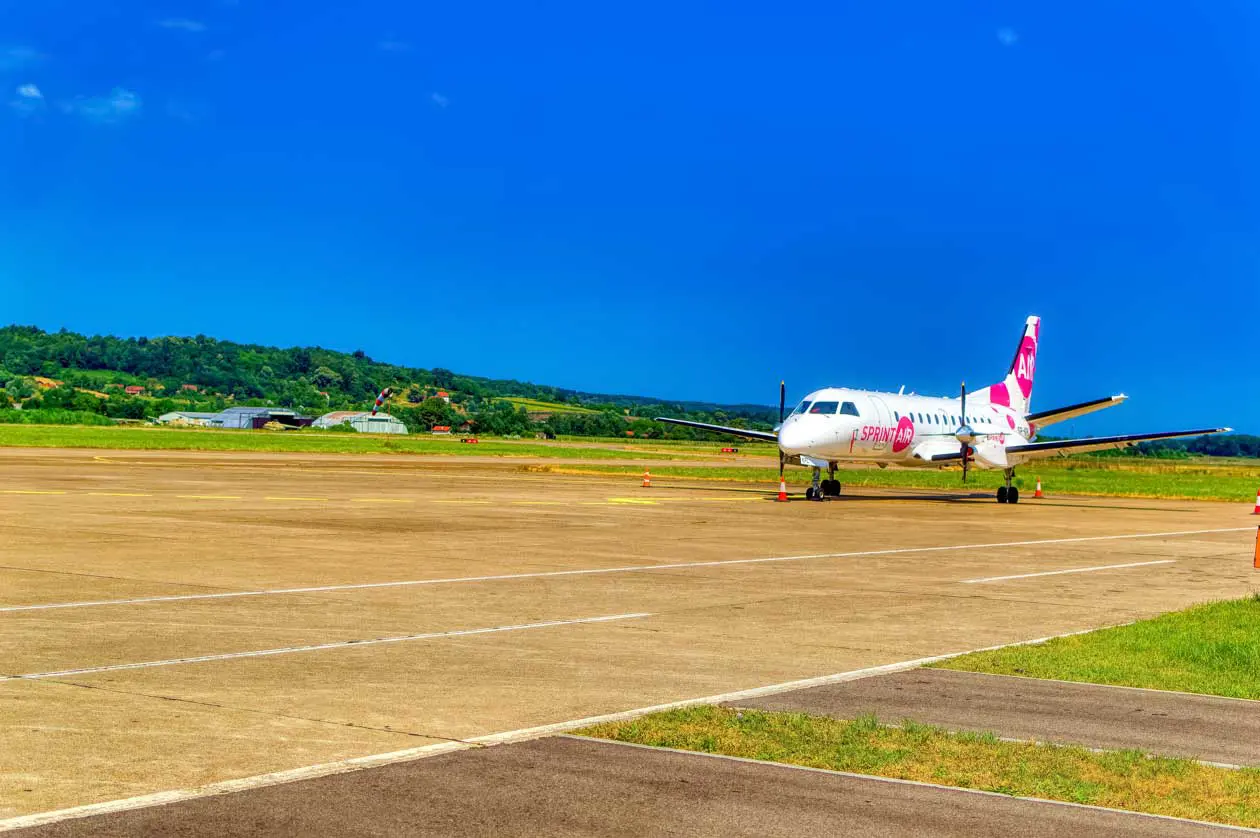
35	491
381	500
282	498
120	494
479	502
645	501
711	500
209	497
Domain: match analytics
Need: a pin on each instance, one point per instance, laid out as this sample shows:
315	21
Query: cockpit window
824	407
801	408
849	409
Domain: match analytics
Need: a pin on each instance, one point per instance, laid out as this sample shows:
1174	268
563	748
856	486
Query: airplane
991	428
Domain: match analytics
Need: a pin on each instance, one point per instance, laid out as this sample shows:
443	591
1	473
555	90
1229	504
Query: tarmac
564	786
1206	728
172	620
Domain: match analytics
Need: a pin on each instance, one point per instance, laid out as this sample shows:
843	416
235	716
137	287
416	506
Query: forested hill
309	379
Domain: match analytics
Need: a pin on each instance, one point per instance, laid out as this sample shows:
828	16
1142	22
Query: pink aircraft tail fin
1015	391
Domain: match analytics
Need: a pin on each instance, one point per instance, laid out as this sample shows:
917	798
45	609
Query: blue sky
685	200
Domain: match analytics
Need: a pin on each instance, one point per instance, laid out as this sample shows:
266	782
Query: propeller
965	435
782	406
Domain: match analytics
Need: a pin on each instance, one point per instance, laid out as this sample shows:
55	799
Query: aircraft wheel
809	493
1001	494
1013	495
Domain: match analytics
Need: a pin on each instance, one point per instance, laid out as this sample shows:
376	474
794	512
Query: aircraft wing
1067	447
768	436
938	451
1060	414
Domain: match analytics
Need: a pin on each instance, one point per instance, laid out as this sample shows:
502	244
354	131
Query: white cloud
439	100
183	24
15	58
1007	37
120	104
186	111
30	100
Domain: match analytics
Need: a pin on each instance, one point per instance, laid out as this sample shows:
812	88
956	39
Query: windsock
380	400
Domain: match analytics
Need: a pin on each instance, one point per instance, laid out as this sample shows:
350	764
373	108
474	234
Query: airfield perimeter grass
1212	649
1192	481
137	437
1118	779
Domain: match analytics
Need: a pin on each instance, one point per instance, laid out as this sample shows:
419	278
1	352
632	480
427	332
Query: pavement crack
270	713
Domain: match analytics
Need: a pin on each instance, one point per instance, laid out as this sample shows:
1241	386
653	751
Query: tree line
203	374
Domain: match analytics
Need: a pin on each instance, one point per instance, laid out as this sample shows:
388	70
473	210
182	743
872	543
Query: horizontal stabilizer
1066	447
768	436
1045	418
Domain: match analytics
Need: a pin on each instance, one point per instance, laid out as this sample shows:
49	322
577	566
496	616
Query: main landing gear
1008	493
819	489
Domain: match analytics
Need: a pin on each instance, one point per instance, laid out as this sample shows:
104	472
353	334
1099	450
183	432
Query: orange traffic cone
1257	510
782	488
647	479
1037	494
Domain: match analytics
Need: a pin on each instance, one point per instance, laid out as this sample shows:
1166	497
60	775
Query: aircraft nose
793	439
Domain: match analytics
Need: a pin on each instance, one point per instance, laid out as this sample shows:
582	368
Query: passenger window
896	416
848	409
824	407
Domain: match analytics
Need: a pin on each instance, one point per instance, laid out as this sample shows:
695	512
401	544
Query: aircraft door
881	439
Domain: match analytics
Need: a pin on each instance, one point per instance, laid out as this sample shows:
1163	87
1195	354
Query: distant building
190	388
256	417
337	417
441	429
180	417
362	421
133	389
381	423
444	396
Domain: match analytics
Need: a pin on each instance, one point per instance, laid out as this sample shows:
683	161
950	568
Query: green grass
1121	779
204	439
1212	649
1233	481
536	406
53	416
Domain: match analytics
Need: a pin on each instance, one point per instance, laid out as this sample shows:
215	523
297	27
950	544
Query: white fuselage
838	424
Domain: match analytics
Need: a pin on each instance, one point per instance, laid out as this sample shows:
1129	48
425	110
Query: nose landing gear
1008	493
819	489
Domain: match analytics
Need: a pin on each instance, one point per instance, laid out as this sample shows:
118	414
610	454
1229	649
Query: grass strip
1128	780
311	442
1212	649
1235	484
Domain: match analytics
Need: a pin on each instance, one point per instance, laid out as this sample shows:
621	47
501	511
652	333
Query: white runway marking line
455	580
505	737
319	647
1063	572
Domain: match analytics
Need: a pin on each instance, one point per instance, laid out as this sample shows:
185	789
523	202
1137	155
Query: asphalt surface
1172	724
566	786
